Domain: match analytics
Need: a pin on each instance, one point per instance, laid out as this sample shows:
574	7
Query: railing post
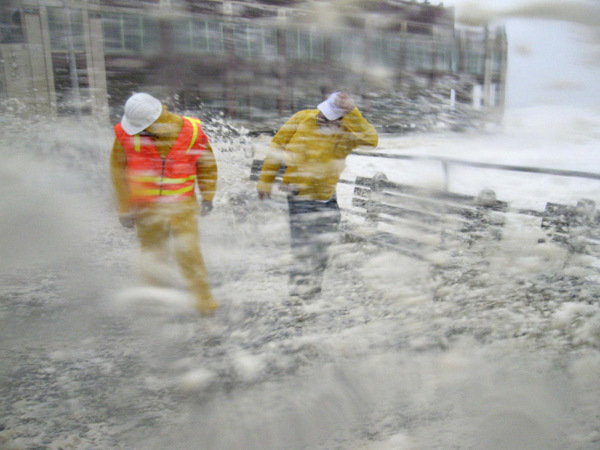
446	169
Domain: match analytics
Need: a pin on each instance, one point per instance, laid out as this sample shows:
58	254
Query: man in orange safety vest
157	159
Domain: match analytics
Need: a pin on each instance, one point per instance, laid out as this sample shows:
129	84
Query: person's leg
300	270
313	228
324	233
153	231
186	244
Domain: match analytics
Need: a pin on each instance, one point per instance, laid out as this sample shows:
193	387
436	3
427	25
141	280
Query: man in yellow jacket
157	159
313	145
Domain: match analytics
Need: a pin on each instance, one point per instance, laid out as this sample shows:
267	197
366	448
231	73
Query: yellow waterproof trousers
165	226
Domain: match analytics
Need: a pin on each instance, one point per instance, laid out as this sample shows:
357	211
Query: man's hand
345	102
127	219
263	195
206	208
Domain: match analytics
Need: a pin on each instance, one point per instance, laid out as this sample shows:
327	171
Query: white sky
553	53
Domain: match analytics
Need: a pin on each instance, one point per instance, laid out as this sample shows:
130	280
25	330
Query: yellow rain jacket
157	222
314	158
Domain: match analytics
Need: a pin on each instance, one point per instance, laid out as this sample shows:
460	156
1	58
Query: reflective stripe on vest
155	192
159	180
195	123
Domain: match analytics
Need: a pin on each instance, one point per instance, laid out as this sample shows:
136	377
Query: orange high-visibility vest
151	178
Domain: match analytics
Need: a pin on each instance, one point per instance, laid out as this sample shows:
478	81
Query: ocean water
500	351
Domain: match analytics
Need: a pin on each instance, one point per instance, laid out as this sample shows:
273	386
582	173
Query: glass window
183	35
419	54
385	50
198	36
132	33
348	48
497	61
304	44
254	42
150	35
127	33
214	35
58	26
11	31
113	31
475	62
447	57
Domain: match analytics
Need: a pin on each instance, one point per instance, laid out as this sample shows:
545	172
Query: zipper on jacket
162	176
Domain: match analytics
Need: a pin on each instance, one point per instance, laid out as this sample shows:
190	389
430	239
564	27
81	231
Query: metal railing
447	162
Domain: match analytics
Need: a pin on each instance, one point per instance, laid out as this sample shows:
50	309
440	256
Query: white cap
141	111
329	108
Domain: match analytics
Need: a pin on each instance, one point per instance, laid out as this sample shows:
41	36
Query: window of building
419	54
128	33
447	57
348	48
65	28
254	42
475	62
11	31
58	25
304	44
497	61
199	36
385	50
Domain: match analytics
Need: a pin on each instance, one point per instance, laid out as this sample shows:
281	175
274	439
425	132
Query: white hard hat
329	109
141	110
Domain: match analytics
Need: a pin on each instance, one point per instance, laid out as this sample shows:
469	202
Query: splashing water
500	353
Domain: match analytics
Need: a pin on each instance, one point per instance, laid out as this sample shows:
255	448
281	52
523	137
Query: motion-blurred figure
314	144
157	157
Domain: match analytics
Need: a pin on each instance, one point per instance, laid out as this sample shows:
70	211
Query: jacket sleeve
206	173
118	167
274	157
362	132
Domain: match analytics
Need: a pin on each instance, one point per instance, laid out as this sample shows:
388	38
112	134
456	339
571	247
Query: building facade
256	61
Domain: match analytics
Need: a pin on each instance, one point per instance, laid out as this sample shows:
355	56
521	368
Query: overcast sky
553	48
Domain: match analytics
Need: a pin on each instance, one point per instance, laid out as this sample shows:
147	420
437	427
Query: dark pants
313	226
